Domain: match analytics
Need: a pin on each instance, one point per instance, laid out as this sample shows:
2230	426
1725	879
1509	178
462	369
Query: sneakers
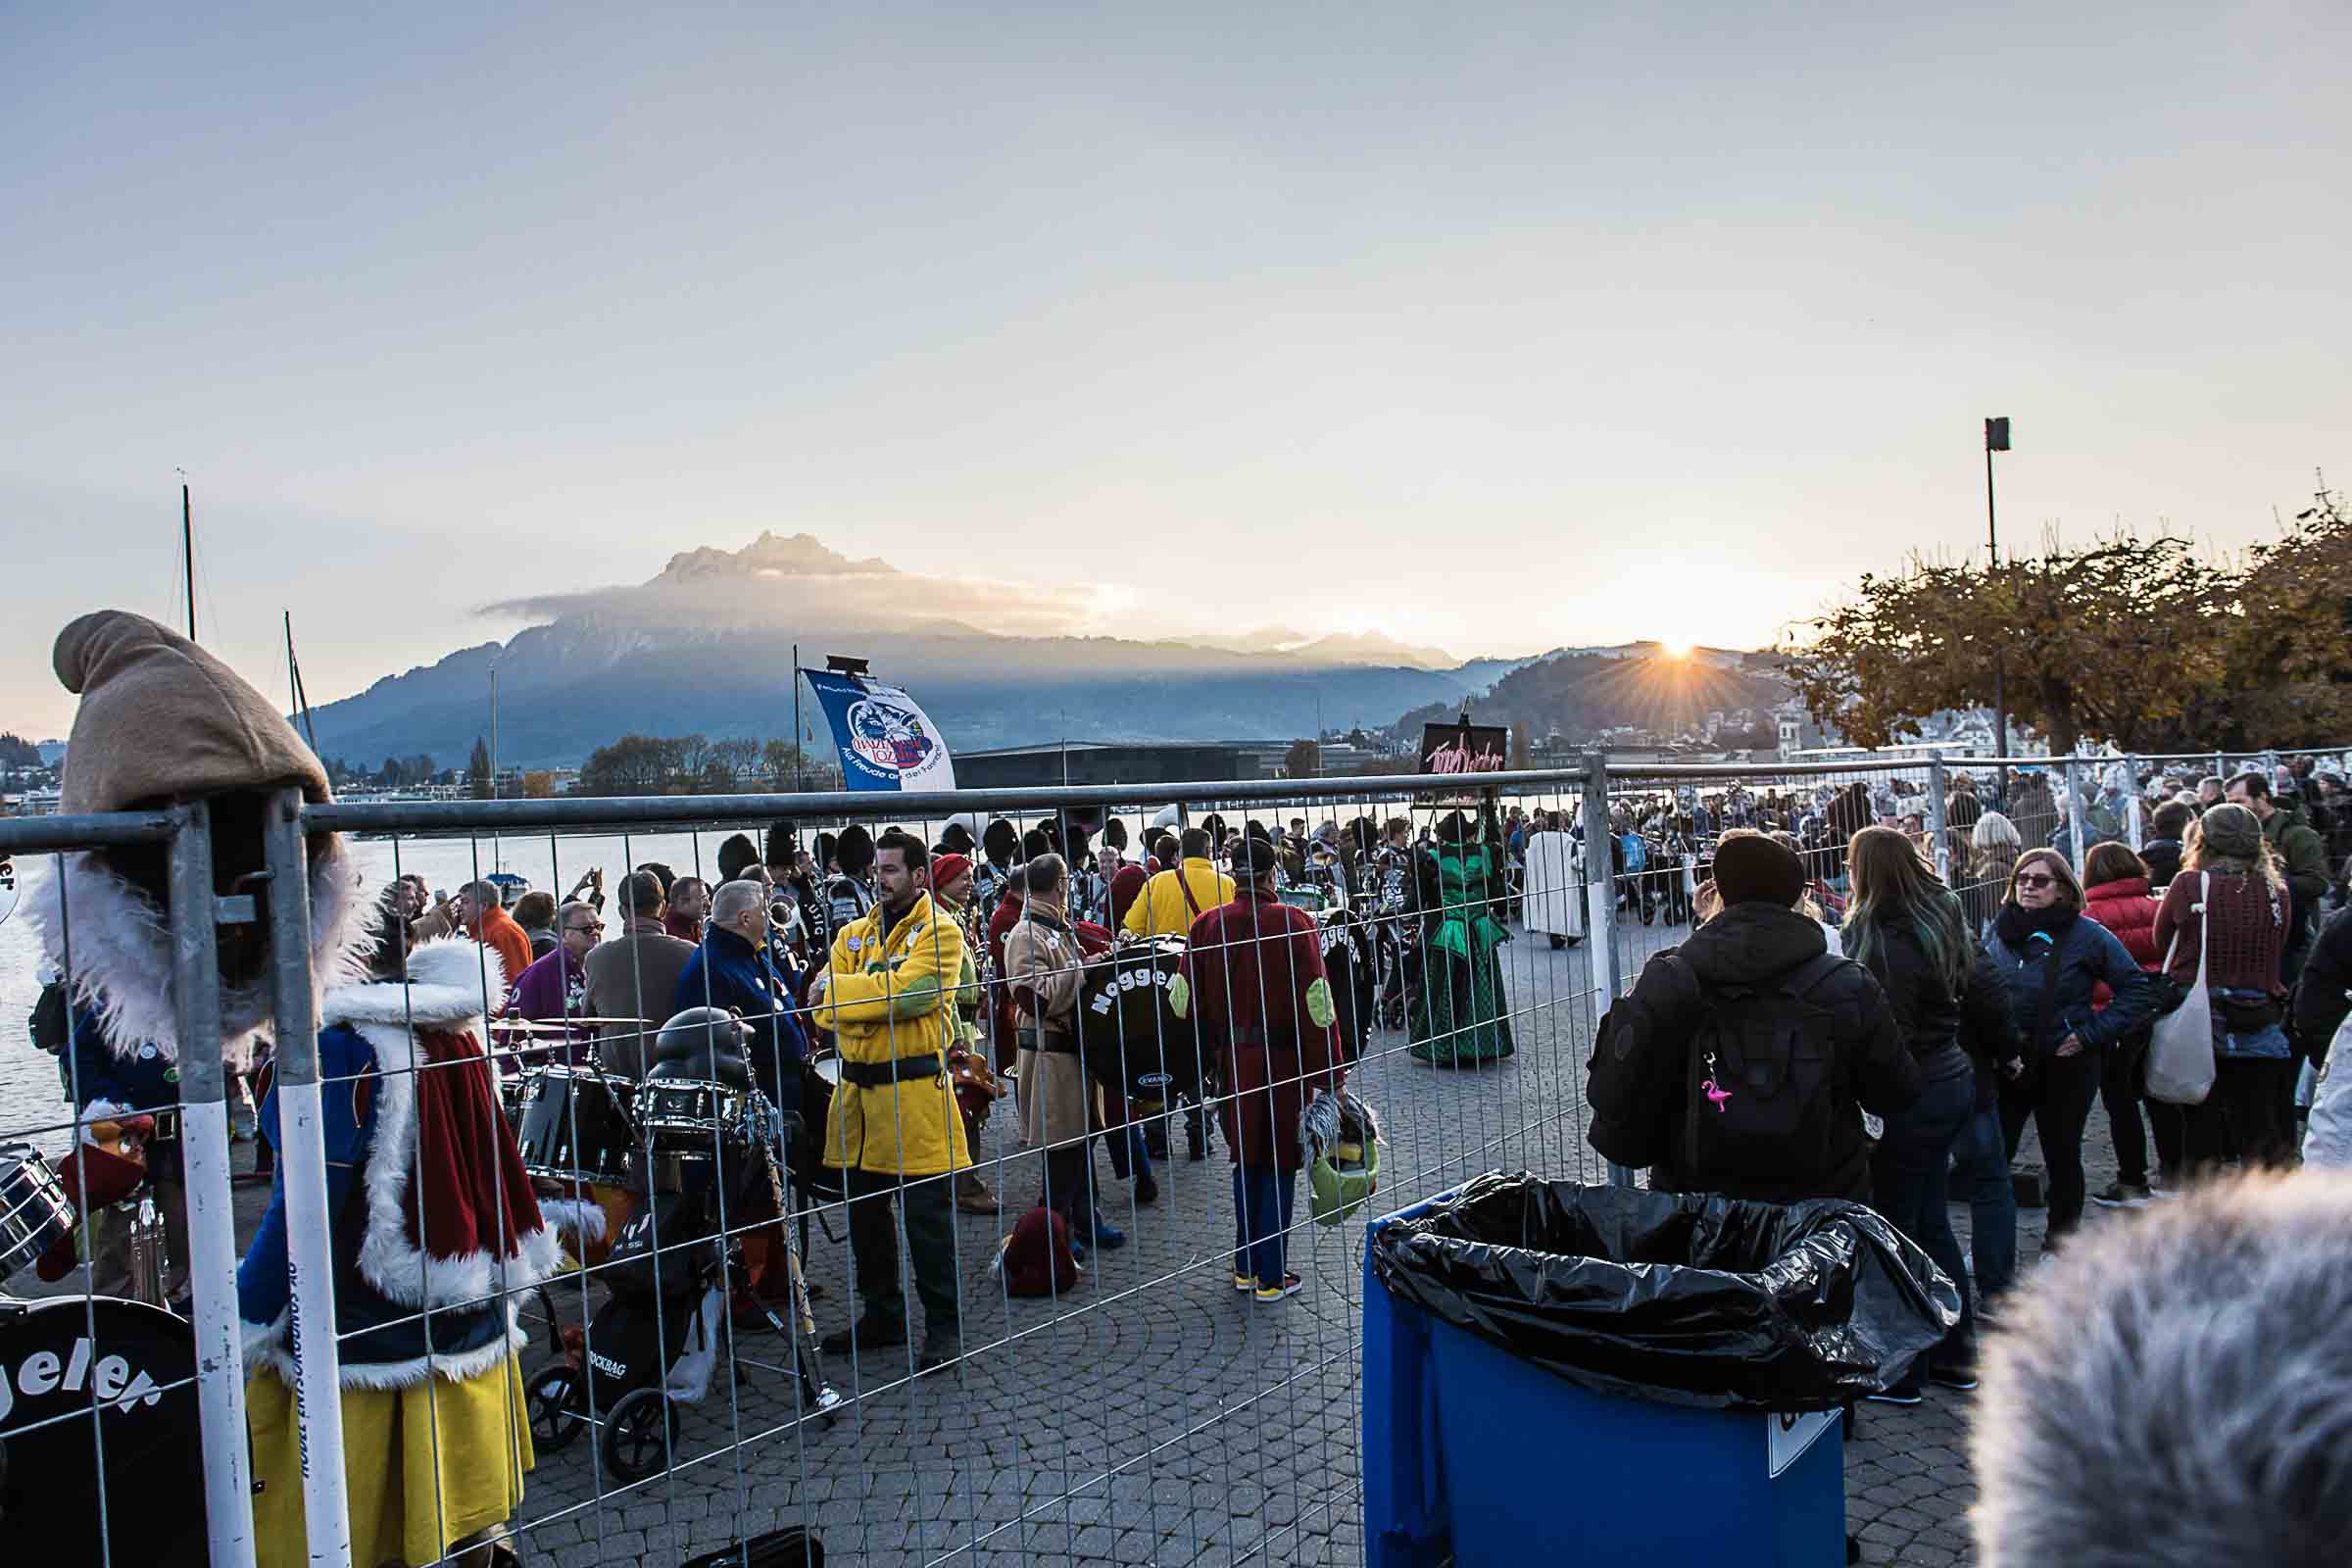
1291	1284
867	1334
1893	1396
1245	1282
1954	1377
2123	1194
1105	1236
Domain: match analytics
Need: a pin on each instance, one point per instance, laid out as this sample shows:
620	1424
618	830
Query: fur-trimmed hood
448	979
120	948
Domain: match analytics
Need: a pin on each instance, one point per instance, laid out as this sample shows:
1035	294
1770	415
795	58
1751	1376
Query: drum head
55	1364
34	1211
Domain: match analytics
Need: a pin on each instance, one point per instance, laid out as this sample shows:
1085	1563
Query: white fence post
2134	808
309	1243
1937	821
1600	907
2076	827
212	1260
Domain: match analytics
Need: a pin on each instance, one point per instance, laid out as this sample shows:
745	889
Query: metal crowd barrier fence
671	1391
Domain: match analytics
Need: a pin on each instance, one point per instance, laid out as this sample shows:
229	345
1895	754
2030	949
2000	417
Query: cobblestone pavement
1155	1415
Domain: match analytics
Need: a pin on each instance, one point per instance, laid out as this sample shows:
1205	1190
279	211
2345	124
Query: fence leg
2135	824
310	1245
1600	907
211	1262
2074	813
1937	819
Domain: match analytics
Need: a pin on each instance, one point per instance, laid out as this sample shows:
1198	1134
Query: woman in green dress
1459	1016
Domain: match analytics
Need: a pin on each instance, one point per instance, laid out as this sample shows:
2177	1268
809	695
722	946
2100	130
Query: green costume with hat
1459	1015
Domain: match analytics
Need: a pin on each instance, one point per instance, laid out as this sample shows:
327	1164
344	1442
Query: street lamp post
1996	439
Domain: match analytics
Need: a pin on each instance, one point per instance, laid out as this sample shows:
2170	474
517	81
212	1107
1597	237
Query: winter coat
497	931
889	995
2087	954
1164	909
2303	856
1253	975
2163	860
1043	970
634	976
2320	995
1926	1010
726	971
1640	1073
2123	908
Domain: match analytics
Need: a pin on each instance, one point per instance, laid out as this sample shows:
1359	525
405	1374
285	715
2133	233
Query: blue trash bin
1475	1455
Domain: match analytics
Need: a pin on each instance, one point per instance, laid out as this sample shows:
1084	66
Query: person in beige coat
1045	966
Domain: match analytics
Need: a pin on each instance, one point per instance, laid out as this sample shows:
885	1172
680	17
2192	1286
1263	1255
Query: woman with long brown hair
2230	903
2053	961
1908	930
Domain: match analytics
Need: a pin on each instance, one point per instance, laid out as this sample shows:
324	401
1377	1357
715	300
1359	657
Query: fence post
2076	829
212	1260
1600	907
1937	821
310	1245
2135	813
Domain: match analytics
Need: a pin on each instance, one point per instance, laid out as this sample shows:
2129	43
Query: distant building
1118	763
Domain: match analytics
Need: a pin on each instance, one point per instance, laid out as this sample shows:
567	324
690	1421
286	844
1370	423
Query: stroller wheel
638	1434
555	1405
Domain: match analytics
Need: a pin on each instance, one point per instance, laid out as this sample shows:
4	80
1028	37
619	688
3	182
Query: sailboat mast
187	545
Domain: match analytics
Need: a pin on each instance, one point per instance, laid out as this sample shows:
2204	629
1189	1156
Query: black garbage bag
1681	1299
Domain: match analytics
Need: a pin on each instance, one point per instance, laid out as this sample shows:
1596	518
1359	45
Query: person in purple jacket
556	986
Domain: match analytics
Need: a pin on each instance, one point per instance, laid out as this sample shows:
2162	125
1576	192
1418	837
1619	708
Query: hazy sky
1489	327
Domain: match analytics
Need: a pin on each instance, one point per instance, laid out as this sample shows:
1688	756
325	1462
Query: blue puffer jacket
2088	952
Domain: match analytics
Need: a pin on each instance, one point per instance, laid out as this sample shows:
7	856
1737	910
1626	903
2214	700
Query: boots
972	1194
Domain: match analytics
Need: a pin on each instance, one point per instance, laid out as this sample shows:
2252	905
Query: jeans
1991	1201
1069	1189
1129	1157
2057	1090
930	1246
2118	1091
2249	1115
1907	1186
1262	1202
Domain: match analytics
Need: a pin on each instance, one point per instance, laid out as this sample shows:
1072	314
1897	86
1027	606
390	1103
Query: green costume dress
1458	1018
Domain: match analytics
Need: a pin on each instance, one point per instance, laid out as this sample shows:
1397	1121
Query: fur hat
736	856
2177	1391
1758	871
162	721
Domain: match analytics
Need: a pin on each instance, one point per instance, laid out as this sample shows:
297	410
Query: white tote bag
2180	1058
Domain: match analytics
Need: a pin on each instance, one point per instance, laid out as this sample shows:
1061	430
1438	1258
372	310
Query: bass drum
1132	1040
129	1370
1353	972
820	1079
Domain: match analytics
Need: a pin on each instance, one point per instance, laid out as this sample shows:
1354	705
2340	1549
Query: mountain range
707	646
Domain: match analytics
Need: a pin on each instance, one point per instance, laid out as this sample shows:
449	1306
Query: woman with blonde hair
1908	930
1995	846
2053	961
2230	903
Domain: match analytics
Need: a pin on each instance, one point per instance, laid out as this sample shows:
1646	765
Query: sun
1676	650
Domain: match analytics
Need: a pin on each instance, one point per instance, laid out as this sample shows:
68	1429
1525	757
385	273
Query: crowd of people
1846	1023
1842	1021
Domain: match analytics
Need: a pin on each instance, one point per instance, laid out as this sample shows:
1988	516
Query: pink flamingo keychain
1715	1092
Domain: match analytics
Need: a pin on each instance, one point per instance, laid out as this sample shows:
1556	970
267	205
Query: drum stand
766	1127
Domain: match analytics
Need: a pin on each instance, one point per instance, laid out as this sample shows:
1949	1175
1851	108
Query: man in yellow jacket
888	994
1181	893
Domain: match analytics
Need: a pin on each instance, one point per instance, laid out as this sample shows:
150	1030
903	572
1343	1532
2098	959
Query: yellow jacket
891	995
1160	910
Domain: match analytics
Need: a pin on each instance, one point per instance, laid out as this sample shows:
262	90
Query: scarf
2015	923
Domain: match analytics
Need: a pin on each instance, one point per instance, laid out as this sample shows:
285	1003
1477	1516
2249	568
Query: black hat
1758	871
735	856
855	850
780	844
1253	859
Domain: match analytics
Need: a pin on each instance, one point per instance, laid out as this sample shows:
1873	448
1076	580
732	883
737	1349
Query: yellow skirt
475	1435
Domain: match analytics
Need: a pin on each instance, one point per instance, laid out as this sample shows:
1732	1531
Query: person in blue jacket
2052	958
737	967
105	1084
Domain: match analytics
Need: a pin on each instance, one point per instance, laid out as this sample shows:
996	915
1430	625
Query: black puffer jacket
2320	995
1925	1008
1639	1071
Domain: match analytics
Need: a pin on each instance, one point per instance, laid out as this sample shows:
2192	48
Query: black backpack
1761	1085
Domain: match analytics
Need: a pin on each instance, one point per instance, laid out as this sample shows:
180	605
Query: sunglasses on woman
2036	879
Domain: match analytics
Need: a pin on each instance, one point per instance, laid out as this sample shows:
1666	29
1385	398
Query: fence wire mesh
772	1289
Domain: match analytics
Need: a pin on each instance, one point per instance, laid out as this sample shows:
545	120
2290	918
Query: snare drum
34	1211
573	1124
687	1114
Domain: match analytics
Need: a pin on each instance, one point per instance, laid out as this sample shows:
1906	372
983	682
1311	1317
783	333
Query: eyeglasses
2036	879
591	927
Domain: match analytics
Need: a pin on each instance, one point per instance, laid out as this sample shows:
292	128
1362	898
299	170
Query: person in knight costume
440	1212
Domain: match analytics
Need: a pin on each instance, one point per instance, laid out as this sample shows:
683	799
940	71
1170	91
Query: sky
1489	327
